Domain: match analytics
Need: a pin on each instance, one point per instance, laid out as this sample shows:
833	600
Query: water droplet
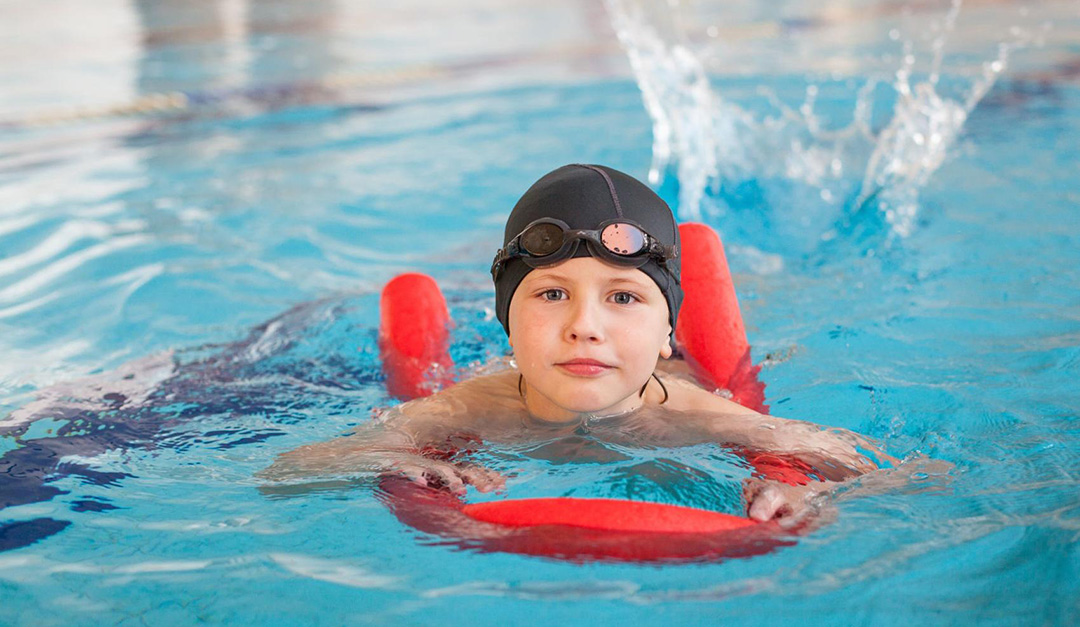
894	34
997	66
713	31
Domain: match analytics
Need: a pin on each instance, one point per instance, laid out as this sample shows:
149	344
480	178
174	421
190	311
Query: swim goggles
548	241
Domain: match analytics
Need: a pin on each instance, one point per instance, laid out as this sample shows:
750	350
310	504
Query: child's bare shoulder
470	403
495	393
685	395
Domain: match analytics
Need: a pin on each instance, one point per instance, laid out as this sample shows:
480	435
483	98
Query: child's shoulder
686	395
476	399
500	387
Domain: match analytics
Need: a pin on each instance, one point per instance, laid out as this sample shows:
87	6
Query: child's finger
448	476
432	475
483	479
765	505
412	473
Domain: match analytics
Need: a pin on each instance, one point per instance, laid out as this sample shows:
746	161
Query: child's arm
723	421
848	461
838	456
832	450
768	500
410	442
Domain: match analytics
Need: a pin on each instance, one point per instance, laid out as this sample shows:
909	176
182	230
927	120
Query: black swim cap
584	196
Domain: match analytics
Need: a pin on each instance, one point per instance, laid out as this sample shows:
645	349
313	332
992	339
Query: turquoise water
183	296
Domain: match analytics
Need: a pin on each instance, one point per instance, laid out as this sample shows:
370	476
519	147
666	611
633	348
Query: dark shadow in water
271	374
26	532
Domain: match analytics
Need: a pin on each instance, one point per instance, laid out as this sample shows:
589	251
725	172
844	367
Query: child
587	289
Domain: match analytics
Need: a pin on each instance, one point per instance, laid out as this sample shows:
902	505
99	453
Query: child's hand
453	477
770	500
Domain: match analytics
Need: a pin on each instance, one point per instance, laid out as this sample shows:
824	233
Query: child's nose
585	323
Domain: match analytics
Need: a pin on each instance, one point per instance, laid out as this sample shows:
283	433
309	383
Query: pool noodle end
414	333
710	329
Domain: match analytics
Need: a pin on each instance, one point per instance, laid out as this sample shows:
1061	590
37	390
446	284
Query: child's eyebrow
551	276
614	282
627	282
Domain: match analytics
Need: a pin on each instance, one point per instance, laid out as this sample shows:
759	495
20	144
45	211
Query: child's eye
552	294
623	298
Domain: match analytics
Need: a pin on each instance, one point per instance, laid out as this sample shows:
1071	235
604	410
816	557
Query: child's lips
584	367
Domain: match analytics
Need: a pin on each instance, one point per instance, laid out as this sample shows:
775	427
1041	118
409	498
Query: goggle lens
545	242
623	239
542	239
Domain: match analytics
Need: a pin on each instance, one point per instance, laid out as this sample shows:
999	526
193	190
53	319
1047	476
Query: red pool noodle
414	330
609	514
710	328
442	515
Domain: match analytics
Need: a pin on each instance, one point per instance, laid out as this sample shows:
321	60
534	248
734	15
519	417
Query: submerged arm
799	461
768	500
845	463
835	453
411	442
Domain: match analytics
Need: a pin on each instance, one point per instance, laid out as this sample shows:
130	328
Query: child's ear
665	349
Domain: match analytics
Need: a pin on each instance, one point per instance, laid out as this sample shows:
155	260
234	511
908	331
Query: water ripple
50	273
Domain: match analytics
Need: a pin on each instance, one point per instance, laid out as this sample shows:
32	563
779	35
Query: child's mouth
584	367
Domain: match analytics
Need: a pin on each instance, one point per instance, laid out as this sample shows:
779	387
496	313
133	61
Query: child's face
586	336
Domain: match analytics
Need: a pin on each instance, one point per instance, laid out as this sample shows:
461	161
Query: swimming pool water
185	295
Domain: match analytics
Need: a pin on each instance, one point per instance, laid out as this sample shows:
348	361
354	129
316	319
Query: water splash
717	148
924	126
